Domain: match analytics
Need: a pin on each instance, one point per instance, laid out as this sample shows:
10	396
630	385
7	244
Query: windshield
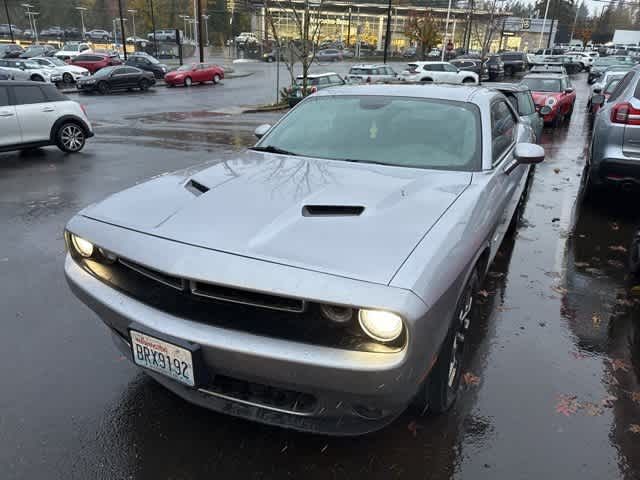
360	71
104	72
542	84
186	68
399	131
310	81
608	61
71	47
32	65
57	62
612	85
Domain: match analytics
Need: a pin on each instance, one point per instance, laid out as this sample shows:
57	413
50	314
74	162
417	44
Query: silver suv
371	73
615	146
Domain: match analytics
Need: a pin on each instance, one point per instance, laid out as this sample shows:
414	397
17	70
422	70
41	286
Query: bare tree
423	29
490	27
307	23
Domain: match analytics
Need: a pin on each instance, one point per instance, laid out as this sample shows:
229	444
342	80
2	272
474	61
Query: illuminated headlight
337	314
380	325
550	101
81	246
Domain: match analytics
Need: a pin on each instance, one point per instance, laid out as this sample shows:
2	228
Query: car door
505	189
36	115
132	77
451	73
9	125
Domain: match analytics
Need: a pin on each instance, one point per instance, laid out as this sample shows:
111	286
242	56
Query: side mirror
525	154
597	90
568	90
597	99
262	130
545	110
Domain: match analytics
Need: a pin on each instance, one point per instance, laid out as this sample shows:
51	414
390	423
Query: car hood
359	221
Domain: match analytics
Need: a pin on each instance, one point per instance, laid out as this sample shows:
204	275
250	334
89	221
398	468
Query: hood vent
332	211
196	188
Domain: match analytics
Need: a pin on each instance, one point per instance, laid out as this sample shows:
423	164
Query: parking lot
551	389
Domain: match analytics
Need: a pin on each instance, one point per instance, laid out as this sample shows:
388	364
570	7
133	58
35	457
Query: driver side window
449	68
503	130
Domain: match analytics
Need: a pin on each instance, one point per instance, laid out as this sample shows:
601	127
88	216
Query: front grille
265	396
279	319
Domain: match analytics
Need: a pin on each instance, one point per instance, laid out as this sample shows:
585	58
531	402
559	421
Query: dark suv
495	66
514	62
11	50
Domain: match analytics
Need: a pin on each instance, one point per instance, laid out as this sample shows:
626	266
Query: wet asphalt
553	384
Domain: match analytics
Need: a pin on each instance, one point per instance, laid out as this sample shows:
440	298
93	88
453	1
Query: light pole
82	10
196	7
28	13
6	9
206	28
388	34
446	32
153	26
544	23
185	18
124	38
133	23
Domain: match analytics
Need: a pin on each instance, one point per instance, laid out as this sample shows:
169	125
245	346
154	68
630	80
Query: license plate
163	357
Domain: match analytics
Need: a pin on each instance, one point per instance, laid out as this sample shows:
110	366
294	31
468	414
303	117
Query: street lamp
82	10
206	27
133	22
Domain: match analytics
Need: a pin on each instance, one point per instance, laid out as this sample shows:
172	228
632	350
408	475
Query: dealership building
367	22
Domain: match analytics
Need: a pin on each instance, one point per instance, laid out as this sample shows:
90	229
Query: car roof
436	91
368	65
508	87
545	75
317	75
423	62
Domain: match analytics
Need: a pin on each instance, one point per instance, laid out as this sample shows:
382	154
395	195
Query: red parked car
95	61
187	75
554	91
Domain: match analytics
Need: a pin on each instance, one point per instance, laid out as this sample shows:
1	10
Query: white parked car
371	73
70	73
29	70
37	114
438	72
583	59
246	37
71	50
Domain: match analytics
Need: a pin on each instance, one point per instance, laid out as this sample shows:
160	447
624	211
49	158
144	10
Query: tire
216	79
67	78
70	137
103	88
37	78
188	82
444	380
144	85
468	80
170	85
426	80
508	71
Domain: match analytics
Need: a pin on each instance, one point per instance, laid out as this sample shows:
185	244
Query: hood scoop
332	211
196	188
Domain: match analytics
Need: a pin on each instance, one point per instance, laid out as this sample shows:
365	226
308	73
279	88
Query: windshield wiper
352	160
272	149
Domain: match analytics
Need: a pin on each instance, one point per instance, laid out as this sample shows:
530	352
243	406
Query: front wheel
188	82
468	80
70	137
216	79
37	78
103	88
447	372
67	78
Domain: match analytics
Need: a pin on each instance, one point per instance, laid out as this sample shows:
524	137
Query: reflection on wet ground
551	387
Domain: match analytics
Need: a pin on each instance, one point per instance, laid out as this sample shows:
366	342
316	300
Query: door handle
6	114
48	109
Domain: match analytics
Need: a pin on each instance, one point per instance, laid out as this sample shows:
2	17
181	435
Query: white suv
371	74
29	70
36	115
438	72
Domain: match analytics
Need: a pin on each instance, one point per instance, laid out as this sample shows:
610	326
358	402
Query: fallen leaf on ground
559	290
483	293
607	402
581	264
618	248
413	427
557	170
614	226
634	428
592	409
470	379
595	318
635	396
619	364
567	405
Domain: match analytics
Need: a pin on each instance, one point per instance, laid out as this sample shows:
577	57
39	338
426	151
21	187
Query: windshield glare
612	85
70	47
57	61
104	72
399	131
542	84
185	68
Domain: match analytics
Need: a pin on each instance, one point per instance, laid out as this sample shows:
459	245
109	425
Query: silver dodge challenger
325	279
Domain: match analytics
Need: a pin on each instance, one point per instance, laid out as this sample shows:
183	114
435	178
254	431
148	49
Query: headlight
82	246
380	325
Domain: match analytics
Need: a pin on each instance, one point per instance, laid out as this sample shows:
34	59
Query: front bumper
354	392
